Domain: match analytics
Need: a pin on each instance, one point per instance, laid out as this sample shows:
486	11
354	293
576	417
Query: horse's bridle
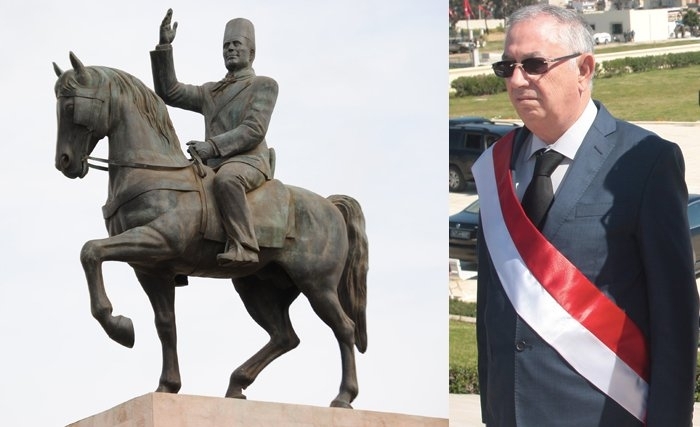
92	119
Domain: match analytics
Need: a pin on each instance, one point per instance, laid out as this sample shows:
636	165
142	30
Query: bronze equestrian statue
163	219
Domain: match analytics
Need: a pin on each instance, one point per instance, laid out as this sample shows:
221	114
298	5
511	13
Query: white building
649	25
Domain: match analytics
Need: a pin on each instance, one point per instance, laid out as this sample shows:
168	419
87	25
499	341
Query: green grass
462	344
660	95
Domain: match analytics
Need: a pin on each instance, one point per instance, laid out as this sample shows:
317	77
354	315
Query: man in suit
589	316
237	113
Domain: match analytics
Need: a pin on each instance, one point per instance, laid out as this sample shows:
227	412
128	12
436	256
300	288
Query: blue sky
361	111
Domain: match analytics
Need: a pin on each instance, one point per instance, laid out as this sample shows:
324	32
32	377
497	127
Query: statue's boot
237	255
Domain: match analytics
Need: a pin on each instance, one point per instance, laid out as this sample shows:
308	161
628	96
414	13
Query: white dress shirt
567	145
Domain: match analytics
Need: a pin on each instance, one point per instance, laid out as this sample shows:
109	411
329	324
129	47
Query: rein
196	161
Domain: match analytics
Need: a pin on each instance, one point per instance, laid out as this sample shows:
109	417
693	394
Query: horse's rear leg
161	292
268	305
324	301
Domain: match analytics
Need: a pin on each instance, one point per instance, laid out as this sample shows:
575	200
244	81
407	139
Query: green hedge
461	308
464	380
490	84
615	67
478	85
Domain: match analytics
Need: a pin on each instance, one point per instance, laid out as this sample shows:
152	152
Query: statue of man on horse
237	113
163	218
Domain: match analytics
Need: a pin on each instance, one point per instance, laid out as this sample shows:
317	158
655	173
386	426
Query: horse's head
82	110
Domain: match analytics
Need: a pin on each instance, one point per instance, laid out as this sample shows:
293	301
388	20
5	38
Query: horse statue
162	220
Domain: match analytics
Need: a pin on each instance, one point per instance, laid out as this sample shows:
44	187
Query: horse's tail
352	289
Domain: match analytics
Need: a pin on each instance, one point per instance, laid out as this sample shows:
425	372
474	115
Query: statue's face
237	53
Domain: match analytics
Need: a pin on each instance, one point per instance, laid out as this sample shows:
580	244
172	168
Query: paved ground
464	409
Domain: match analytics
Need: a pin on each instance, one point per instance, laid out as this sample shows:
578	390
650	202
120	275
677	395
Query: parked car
463	228
469	137
465	224
461	46
602	38
454	121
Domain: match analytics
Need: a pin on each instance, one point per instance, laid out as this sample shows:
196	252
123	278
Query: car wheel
456	179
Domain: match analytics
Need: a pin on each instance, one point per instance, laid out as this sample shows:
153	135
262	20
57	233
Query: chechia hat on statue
240	27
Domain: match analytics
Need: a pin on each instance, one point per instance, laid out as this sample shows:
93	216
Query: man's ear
586	68
252	55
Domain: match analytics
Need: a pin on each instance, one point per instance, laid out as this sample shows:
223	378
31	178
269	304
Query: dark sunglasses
530	65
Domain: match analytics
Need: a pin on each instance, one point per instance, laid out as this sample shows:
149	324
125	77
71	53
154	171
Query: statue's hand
167	33
204	149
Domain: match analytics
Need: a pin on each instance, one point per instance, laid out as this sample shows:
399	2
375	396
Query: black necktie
539	195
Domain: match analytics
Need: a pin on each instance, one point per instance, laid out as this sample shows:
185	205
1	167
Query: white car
602	38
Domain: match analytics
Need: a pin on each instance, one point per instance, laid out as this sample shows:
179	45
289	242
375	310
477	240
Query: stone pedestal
174	410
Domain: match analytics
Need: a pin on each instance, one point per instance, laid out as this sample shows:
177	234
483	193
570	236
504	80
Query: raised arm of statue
167	32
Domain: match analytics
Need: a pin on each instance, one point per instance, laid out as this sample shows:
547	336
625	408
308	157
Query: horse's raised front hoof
340	404
121	330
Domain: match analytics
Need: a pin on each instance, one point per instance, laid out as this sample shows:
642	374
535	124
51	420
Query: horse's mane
143	98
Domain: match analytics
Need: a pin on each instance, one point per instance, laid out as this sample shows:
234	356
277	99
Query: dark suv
469	137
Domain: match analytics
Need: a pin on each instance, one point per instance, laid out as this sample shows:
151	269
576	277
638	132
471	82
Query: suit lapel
594	151
519	140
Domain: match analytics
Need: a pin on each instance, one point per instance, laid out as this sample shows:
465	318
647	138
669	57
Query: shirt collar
569	143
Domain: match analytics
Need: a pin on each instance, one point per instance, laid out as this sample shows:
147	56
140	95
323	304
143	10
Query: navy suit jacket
620	216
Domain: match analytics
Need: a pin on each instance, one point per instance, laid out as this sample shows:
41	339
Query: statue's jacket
236	114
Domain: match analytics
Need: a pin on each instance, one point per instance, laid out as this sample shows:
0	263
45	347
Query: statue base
175	410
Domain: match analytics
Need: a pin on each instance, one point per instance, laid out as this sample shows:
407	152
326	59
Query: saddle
270	207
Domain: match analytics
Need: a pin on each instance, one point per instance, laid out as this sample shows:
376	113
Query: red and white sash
553	297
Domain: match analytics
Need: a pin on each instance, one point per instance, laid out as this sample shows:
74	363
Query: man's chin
529	113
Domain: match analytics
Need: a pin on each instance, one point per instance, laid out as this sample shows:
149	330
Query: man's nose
519	76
